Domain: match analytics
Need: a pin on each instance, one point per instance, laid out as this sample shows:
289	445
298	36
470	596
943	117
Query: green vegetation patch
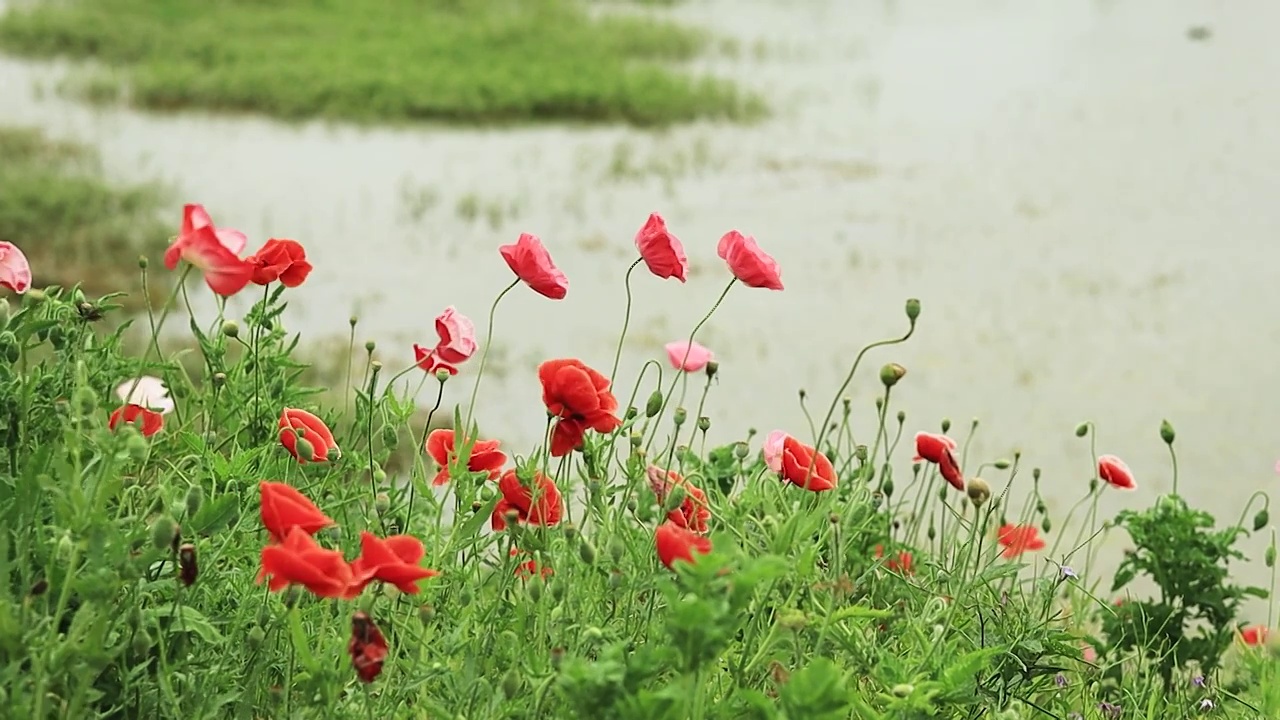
387	60
71	222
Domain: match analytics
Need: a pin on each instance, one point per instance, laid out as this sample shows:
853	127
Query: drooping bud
534	589
163	531
390	437
675	498
978	491
631	413
1082	429
946	424
886	487
1166	432
654	405
1260	520
1001	464
188	569
617	549
1045	525
426	614
891	373
256	637
913	309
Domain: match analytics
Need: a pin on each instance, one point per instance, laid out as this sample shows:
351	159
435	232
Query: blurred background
1080	193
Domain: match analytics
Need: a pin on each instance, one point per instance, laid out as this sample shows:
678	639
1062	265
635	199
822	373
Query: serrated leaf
183	617
960	673
215	514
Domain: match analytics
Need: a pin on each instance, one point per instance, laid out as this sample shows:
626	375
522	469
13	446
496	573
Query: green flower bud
615	580
1045	525
1260	520
163	531
135	446
704	423
390	437
256	638
587	552
680	416
557	589
886	487
675	498
978	491
305	449
382	503
902	417
617	549
946	424
195	496
370	346
713	367
1270	556
1001	464
891	373
141	643
426	614
653	405
1166	432
1082	429
636	440
230	328
913	309
143	262
511	684
631	413
903	690
534	589
740	450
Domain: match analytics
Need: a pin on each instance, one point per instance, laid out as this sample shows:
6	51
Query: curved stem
426	430
626	321
666	398
484	356
1266	505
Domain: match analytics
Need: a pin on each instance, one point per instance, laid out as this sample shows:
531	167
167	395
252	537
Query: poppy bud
370	346
511	683
304	448
631	413
587	552
379	475
946	424
558	589
978	491
654	405
375	367
712	368
557	657
1166	432
1045	525
636	440
188	569
592	635
675	498
426	614
1082	429
570	531
141	643
292	595
704	423
913	309
1001	464
932	533
143	262
353	320
390	438
902	417
740	450
1040	507
680	415
382	503
1093	485
135	446
163	531
615	580
230	328
891	373
879	404
534	589
1260	520
617	549
860	452
195	496
903	690
1269	557
886	487
256	638
442	375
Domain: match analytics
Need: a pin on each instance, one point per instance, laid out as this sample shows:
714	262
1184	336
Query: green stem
626	321
484	358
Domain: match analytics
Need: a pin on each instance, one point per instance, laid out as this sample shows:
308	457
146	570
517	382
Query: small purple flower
1069	574
1060	680
1110	710
1198	681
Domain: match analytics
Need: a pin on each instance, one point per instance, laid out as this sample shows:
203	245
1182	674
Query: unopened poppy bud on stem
978	491
891	373
704	423
195	497
1001	464
680	416
913	309
143	262
163	531
230	328
1082	429
370	346
654	404
1260	520
1166	432
382	503
712	368
442	375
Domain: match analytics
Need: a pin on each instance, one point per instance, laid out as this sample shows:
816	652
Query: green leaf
959	677
300	645
816	691
182	617
216	514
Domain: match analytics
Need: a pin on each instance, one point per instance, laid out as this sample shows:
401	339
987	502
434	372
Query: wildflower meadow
205	536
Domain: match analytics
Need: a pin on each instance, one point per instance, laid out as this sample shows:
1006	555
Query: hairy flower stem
626	321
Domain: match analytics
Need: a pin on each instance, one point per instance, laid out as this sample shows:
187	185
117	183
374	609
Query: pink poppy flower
661	250
15	271
456	345
529	260
224	271
774	444
194	216
753	266
689	357
1115	473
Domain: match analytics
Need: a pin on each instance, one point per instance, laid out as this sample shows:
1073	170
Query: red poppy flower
280	259
531	262
1018	539
661	250
152	421
676	543
540	505
694	512
901	563
284	508
804	467
940	450
580	397
224	272
530	568
295	422
1115	473
751	265
367	647
394	560
299	560
15	270
485	456
1254	635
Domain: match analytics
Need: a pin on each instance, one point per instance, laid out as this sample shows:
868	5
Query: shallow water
1080	193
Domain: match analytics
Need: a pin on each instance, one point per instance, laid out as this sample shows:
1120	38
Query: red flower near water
581	400
284	508
676	543
940	450
751	265
392	560
900	563
661	250
1254	635
485	456
15	271
213	251
1115	473
805	467
367	647
295	424
299	560
152	421
530	261
1017	539
539	505
694	512
280	259
456	344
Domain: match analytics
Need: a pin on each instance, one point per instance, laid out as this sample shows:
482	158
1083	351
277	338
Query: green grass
380	61
72	223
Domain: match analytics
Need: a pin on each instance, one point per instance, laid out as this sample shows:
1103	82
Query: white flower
149	392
